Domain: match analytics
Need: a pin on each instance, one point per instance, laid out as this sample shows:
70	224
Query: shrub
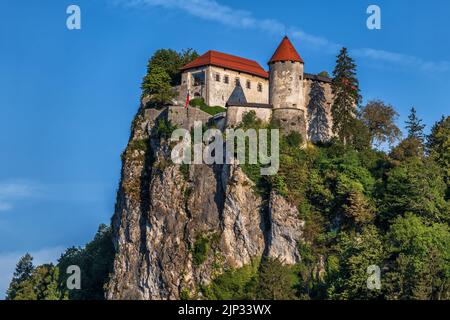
200	250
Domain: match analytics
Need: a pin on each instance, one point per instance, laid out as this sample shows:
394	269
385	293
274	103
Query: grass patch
200	103
200	250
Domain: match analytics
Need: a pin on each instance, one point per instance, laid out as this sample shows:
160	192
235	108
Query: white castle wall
218	93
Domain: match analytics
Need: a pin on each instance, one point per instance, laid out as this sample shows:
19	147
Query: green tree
41	284
380	119
275	281
360	138
157	86
345	88
415	126
419	255
24	269
171	62
415	186
408	148
95	262
355	252
163	73
357	209
438	145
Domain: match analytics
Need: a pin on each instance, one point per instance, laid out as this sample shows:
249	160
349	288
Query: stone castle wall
292	90
177	115
236	113
219	93
286	85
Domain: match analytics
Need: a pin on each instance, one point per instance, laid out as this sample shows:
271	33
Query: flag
188	98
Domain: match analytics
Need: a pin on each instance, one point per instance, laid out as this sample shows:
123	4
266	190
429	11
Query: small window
237	82
199	78
217	77
259	87
248	84
226	79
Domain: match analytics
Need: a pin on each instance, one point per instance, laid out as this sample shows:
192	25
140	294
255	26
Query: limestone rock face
164	212
286	230
242	222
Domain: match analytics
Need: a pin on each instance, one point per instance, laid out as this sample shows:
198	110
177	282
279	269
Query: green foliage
408	148
22	273
234	284
268	279
200	250
294	140
420	259
380	120
164	129
184	169
355	252
275	281
324	74
171	61
438	145
415	126
415	186
345	87
95	261
163	72
41	285
200	103
157	85
360	137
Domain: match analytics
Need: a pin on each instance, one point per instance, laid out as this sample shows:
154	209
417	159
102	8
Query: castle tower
286	95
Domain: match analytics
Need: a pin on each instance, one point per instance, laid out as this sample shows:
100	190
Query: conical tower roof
286	52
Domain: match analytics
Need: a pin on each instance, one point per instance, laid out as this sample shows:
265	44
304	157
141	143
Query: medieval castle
285	93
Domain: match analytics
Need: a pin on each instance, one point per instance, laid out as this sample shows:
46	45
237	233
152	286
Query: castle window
199	78
217	77
226	79
237	82
249	84
259	87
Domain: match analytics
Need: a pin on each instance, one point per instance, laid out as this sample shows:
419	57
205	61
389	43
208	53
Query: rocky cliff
177	227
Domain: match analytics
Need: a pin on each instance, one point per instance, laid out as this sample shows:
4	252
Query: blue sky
67	98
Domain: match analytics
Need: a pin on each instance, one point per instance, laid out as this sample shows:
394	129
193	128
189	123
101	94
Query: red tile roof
286	52
219	59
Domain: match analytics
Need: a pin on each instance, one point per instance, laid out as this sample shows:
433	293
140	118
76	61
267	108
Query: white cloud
9	260
214	11
14	190
402	59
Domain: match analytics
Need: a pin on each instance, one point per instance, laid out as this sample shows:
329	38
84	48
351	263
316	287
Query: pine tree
345	88
24	269
318	129
275	281
415	126
438	145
